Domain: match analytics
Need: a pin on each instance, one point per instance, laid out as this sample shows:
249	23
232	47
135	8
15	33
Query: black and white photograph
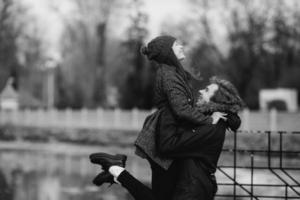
149	100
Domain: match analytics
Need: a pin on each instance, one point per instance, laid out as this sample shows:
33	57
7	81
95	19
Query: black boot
103	177
108	160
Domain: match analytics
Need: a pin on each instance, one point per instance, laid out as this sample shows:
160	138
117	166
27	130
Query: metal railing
273	165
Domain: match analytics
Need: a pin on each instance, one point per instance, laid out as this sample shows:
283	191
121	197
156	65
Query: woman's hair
226	94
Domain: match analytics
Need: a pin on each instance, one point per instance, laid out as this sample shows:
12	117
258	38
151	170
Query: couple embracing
183	138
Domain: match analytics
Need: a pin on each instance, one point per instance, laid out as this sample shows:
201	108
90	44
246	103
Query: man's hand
216	116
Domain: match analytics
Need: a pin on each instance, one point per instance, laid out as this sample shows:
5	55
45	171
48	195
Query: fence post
14	116
2	115
245	119
68	117
41	117
83	117
27	116
117	118
273	119
53	117
134	118
99	116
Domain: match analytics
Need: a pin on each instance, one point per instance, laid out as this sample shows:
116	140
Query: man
195	149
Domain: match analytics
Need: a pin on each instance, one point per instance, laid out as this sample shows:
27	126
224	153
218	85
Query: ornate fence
265	167
133	119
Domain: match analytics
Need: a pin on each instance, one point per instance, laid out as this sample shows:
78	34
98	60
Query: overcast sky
51	24
158	10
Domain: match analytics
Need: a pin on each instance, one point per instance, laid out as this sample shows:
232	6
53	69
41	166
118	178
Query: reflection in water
28	175
60	171
5	189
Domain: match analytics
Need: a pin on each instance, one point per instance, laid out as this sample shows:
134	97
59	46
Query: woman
175	102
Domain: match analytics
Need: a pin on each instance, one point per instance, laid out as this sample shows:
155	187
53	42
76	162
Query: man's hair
226	94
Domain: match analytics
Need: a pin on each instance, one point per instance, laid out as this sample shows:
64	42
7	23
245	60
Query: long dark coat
186	134
172	94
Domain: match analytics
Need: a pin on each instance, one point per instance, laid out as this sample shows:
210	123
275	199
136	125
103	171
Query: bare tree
83	49
136	90
262	40
8	36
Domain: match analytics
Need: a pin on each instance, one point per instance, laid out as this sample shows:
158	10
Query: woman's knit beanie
159	49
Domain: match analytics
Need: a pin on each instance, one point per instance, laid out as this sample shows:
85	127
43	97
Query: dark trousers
164	189
137	189
194	182
163	183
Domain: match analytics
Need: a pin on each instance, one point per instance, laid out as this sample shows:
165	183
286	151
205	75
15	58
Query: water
57	171
54	170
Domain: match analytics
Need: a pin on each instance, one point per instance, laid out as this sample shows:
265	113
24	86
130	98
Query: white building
289	96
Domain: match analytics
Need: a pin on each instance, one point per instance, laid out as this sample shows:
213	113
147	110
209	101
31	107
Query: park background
73	81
